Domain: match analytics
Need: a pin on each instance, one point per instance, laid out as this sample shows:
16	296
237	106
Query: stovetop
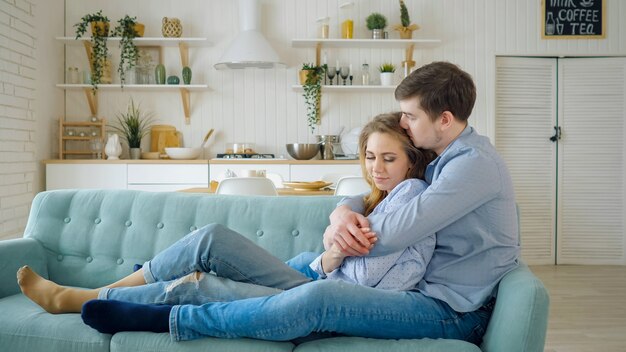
245	156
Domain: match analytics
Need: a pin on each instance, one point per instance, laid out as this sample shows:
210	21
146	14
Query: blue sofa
89	238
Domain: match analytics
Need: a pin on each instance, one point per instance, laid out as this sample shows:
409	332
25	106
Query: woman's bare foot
53	298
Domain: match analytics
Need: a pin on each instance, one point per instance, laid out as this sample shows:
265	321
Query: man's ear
447	119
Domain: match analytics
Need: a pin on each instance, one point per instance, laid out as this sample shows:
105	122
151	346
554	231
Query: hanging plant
312	87
99	34
127	29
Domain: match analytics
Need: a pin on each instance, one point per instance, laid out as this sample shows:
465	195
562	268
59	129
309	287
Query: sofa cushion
360	344
151	342
94	237
26	327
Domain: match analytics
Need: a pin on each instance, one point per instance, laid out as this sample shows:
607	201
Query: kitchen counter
203	161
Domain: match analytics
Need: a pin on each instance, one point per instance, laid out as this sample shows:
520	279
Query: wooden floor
587	307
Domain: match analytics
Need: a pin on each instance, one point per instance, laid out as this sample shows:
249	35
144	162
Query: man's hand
349	231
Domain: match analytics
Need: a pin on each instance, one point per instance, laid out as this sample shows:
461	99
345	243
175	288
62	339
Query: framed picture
573	19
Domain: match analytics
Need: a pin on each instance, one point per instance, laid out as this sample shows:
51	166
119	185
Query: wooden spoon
206	138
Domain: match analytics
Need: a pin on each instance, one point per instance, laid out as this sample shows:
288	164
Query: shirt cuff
316	265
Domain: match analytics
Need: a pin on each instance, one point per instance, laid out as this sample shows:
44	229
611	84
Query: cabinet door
307	173
65	176
525	118
591	189
149	174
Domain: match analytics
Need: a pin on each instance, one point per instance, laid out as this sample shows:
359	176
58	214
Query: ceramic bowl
183	153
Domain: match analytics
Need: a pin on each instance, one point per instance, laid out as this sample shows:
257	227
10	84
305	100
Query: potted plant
99	32
376	23
312	87
386	74
127	29
133	125
405	28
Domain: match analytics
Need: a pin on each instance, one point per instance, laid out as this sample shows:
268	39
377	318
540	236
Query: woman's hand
349	231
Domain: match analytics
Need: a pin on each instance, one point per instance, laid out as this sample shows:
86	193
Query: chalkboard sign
573	19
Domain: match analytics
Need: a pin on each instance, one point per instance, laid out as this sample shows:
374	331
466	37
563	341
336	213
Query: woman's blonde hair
418	158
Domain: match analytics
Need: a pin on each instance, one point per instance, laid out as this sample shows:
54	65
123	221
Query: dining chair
352	185
277	179
259	186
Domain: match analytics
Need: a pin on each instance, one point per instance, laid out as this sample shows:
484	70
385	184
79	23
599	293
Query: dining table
281	191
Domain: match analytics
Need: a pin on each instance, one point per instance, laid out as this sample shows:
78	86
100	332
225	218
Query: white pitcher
113	148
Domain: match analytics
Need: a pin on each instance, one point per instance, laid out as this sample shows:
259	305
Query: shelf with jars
160	42
82	138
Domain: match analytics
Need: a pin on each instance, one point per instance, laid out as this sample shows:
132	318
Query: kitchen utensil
240	148
350	142
206	138
307	186
326	145
183	153
150	155
163	136
302	151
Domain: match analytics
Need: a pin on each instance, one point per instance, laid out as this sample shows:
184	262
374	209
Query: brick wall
17	118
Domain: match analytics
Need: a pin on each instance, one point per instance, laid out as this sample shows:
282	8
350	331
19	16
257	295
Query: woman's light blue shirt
401	270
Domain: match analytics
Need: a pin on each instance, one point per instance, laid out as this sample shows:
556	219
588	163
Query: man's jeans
244	291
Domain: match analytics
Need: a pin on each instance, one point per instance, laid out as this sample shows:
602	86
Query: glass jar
323	27
347	24
72	75
365	75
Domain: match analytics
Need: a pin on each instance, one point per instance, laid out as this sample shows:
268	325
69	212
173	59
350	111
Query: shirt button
59	257
259	233
97	221
295	233
160	225
67	220
193	228
128	223
89	259
120	261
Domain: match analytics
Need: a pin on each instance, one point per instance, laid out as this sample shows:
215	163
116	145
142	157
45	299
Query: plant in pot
127	29
312	86
406	28
133	125
376	23
99	32
386	74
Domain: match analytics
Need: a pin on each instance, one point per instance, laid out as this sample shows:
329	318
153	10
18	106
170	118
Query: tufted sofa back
94	237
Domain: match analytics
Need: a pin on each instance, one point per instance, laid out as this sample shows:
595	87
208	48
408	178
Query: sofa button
193	228
89	259
160	225
259	233
67	220
128	223
295	233
120	261
97	221
59	257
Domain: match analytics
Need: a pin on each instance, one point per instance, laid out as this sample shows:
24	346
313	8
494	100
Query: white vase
386	78
113	148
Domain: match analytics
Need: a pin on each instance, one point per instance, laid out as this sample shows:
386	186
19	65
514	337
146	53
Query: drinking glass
331	73
344	72
337	70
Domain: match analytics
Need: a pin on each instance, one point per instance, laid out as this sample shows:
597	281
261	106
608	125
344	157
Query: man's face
423	132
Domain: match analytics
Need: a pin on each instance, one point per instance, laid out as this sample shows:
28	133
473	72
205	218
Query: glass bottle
365	75
347	24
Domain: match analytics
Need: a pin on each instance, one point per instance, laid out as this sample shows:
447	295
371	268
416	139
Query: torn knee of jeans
194	278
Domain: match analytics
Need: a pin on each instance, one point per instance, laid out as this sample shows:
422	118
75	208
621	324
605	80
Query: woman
392	166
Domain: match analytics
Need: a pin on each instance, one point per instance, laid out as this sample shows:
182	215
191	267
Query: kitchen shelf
183	46
347	88
81	126
365	43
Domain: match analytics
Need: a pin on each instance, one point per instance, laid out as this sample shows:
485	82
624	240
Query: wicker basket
172	27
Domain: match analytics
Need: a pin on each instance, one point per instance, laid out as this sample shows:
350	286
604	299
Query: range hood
249	48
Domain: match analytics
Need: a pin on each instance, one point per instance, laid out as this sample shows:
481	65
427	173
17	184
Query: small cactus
186	75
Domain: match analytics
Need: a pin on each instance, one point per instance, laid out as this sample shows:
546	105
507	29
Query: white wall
260	106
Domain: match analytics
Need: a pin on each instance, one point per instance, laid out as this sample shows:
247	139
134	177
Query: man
469	204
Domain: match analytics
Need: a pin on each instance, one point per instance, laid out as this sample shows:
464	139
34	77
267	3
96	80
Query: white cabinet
167	177
89	175
308	173
570	188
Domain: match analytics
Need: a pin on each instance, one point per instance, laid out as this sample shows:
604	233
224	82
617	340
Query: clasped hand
349	232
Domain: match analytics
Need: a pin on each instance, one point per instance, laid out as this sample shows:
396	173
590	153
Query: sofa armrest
520	317
15	254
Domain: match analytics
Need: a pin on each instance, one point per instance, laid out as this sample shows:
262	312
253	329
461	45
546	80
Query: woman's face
386	161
